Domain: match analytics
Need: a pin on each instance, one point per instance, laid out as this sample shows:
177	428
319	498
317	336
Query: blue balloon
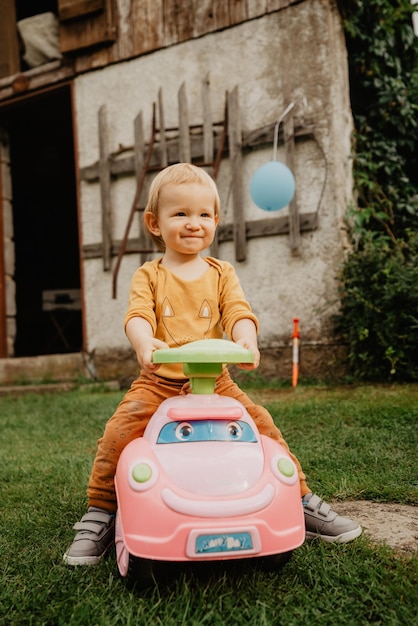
272	186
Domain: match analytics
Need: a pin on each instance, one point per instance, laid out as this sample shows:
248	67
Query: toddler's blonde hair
178	174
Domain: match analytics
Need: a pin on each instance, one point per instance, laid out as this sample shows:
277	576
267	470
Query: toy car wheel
274	562
140	573
122	554
133	570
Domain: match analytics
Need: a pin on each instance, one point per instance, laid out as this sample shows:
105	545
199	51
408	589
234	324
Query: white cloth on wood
40	35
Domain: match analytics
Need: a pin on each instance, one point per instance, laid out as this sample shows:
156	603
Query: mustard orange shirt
180	311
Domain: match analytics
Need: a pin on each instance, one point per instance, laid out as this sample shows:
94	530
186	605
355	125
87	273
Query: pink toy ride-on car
202	484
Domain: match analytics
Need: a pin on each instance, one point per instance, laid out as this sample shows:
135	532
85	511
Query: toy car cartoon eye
184	431
234	430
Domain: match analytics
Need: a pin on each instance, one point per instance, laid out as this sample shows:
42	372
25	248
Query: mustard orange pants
132	416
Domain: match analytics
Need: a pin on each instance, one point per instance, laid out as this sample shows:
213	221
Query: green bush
378	282
379	309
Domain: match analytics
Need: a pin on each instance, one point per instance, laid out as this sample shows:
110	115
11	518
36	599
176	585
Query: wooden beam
254	229
185	153
139	169
207	121
3	278
104	175
162	137
252	140
294	221
235	145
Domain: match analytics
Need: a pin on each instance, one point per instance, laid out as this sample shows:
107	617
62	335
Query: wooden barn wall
117	31
143	26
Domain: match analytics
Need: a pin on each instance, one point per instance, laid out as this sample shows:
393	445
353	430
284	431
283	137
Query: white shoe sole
343	538
86	560
81	560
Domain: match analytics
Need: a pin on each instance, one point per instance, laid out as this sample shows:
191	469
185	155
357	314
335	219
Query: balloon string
277	126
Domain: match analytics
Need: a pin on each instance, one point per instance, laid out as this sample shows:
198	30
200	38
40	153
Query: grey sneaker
321	521
96	535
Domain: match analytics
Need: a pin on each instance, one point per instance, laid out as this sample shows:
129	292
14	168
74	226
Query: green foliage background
378	282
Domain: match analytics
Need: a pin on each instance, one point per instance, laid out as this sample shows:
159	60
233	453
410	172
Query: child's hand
249	344
144	353
140	334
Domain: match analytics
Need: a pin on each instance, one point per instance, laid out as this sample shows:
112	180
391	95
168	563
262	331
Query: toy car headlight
284	469
142	475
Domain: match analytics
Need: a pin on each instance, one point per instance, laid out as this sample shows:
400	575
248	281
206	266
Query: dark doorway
45	224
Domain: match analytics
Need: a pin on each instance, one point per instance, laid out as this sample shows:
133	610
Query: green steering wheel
202	360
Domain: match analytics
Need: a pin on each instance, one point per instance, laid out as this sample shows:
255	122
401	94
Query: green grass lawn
354	442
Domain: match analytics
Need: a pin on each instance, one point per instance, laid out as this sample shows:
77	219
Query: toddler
178	298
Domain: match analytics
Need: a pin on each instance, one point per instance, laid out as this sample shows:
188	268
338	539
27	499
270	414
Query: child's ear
151	223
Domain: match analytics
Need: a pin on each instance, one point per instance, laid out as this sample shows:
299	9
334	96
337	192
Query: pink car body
203	484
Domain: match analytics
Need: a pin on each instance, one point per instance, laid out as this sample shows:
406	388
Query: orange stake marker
295	353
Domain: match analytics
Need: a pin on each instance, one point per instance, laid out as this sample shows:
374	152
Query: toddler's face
186	218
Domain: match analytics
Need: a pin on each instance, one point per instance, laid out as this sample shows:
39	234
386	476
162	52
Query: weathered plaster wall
300	51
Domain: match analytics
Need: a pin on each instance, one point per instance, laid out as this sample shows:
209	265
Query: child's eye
180	213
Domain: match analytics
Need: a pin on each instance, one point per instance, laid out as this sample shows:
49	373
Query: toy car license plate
203	543
225	542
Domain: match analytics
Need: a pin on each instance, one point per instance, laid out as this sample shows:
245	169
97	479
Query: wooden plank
91	30
97	58
170	22
207	121
221	14
264	135
185	155
268	227
162	137
294	221
237	11
235	145
251	140
4	241
124	47
139	149
256	8
70	9
140	180
275	5
104	174
185	19
147	25
255	229
9	46
204	18
135	203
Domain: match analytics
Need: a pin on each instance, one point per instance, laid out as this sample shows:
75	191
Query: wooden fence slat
207	121
235	145
139	144
104	175
184	135
294	219
163	142
139	150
